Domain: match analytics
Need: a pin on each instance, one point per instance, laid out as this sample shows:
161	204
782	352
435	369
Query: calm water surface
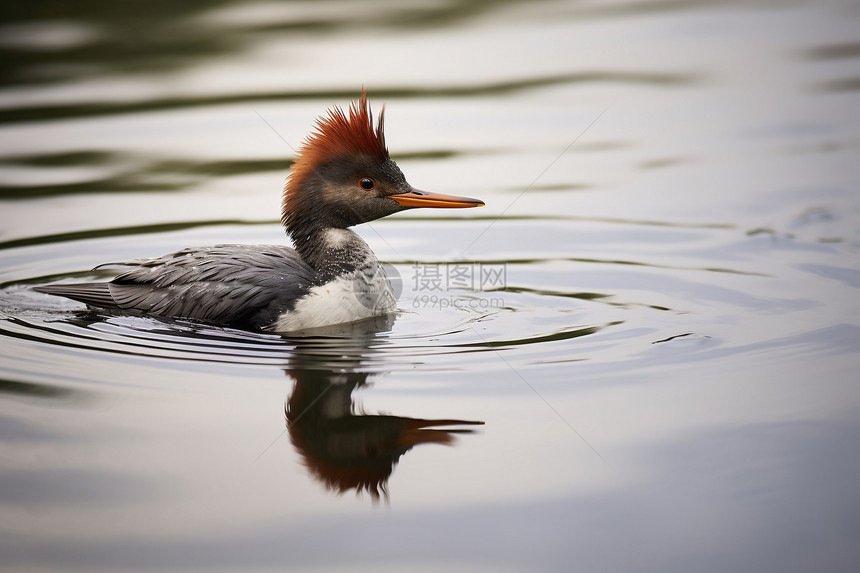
656	315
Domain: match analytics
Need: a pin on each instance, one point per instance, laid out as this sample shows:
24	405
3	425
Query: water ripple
56	112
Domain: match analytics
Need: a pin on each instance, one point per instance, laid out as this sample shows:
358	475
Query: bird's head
343	175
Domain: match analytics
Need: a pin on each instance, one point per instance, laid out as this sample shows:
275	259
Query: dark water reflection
53	41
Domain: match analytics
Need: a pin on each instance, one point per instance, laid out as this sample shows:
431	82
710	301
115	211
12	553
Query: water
656	315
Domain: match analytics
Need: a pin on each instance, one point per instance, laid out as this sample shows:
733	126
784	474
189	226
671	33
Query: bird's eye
366	184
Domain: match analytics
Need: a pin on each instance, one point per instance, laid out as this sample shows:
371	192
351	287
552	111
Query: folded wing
235	285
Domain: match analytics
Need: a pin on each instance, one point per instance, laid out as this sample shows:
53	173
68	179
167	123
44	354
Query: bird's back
243	286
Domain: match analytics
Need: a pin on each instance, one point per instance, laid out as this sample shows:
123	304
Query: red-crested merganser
342	176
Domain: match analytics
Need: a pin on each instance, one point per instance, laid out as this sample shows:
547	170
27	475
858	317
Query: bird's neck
332	251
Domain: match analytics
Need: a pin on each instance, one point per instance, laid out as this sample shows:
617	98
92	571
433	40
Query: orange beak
416	198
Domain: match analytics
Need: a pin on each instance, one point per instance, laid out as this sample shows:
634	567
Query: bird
342	175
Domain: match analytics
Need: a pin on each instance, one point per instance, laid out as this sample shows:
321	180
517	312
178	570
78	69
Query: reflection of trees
343	447
103	37
100	37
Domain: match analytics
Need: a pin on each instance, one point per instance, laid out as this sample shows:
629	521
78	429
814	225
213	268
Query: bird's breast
359	294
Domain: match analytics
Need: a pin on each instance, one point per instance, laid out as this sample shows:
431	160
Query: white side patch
337	302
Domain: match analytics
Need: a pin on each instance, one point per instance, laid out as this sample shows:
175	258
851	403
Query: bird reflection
342	446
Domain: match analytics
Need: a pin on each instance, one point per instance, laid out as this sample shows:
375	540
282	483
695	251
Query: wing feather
96	294
236	285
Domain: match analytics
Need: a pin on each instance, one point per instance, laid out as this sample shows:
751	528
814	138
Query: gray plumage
243	286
